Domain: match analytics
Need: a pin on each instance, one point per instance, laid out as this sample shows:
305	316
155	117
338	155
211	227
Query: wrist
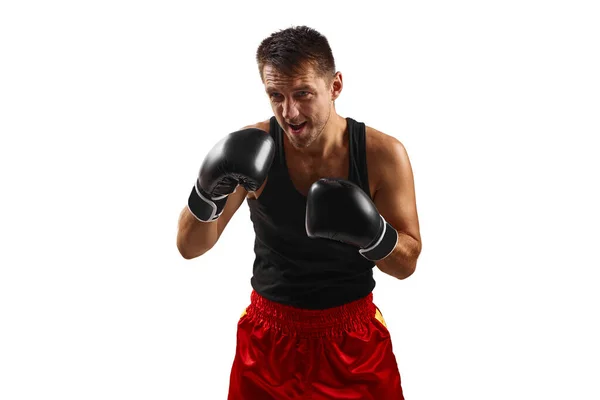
383	245
204	207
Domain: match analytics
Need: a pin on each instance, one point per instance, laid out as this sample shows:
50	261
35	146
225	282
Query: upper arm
395	197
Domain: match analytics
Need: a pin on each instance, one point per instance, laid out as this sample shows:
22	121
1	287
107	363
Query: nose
289	110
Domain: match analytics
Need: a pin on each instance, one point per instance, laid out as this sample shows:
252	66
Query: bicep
395	198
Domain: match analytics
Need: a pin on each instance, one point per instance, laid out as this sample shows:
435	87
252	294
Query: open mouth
297	128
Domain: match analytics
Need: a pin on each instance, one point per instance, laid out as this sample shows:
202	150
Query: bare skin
321	150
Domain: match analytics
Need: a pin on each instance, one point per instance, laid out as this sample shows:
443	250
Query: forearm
195	237
402	261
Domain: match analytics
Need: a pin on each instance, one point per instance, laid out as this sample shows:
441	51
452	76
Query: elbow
190	255
405	263
184	251
398	270
186	254
409	266
190	252
407	271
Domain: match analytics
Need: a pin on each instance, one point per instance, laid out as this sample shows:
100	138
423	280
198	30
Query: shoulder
381	143
385	154
262	125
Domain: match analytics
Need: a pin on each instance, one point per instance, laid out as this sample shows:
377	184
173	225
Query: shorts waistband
350	317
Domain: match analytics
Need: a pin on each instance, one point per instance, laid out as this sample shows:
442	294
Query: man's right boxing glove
240	158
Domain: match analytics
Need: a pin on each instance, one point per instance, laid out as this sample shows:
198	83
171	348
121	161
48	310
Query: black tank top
291	268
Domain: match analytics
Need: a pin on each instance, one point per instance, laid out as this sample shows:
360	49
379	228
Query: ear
336	86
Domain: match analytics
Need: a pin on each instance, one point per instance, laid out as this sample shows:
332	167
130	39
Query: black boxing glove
339	210
240	158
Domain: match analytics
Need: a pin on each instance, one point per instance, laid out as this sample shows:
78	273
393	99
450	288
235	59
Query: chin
301	141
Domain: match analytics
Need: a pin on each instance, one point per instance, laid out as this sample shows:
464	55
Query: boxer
330	199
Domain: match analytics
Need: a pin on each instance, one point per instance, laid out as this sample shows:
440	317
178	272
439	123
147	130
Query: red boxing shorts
286	353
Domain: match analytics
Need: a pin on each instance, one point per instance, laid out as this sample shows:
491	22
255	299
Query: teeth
296	127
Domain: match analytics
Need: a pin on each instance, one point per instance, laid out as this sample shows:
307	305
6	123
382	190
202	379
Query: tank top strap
275	132
358	173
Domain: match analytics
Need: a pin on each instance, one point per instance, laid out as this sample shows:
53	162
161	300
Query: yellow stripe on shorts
379	317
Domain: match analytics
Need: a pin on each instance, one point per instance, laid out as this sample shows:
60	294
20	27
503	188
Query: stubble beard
312	136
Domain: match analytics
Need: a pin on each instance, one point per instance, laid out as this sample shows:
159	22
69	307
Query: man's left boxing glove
339	210
240	158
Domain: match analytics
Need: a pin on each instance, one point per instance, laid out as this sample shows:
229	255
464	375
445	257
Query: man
329	198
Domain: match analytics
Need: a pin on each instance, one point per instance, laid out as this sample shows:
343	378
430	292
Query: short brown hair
288	50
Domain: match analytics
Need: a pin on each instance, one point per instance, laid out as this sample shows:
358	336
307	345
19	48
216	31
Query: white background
107	109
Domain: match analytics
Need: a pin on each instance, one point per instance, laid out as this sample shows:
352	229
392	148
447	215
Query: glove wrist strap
383	246
203	207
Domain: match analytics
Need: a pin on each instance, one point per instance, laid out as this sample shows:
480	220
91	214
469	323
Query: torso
290	267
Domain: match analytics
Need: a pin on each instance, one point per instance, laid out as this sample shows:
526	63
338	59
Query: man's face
302	103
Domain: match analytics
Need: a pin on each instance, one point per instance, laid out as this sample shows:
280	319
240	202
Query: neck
331	138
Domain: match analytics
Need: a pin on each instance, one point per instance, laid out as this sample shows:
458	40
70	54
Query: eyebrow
296	89
303	87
